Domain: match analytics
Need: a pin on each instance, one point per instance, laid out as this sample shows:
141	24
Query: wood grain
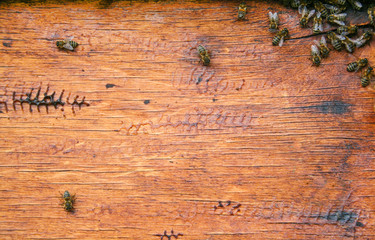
258	145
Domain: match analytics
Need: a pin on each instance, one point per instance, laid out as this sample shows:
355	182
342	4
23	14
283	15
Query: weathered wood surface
156	150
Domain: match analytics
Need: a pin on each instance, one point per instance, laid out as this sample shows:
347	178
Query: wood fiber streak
258	145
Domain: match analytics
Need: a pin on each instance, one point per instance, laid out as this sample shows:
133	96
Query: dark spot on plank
341	217
83	70
7	44
198	80
109	85
333	107
1	111
352	146
214	99
359	224
327	107
146	102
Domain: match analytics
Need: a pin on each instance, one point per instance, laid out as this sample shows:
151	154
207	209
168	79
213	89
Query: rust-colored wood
165	139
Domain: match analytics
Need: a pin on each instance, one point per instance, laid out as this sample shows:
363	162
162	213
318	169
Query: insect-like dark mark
7	44
47	100
233	209
169	236
109	85
75	102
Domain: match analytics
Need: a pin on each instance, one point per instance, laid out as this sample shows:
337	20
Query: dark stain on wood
146	102
109	85
359	224
343	218
333	107
337	107
199	79
7	44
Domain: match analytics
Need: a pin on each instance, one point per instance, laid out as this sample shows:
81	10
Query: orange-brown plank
165	139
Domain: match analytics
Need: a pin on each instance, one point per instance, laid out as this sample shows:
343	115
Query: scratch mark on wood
201	78
341	215
200	120
205	80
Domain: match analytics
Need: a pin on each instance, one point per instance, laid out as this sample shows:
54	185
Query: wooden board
258	145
